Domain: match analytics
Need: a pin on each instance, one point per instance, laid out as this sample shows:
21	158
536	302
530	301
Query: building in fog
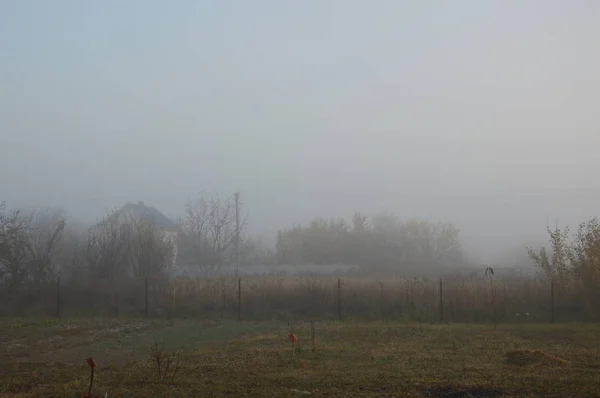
169	229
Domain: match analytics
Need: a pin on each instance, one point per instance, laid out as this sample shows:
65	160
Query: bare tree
152	250
447	248
72	252
29	245
107	248
211	228
44	234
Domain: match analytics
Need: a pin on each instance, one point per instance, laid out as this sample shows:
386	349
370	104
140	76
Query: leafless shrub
167	363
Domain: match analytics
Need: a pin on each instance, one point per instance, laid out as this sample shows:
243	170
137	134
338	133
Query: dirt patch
469	392
531	357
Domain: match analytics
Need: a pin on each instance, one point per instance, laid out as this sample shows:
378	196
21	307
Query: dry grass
43	359
466	299
531	357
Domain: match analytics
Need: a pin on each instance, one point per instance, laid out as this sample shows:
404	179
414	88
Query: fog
476	113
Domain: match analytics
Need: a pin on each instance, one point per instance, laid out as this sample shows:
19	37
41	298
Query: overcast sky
483	113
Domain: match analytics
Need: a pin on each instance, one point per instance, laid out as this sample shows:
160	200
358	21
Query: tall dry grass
465	299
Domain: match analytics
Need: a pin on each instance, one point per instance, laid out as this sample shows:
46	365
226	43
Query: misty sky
476	112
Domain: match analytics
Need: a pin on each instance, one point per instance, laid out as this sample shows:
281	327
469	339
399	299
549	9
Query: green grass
47	358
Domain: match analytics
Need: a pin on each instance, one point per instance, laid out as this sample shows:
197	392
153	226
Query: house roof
140	210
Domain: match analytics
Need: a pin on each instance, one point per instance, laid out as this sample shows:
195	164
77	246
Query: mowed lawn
47	358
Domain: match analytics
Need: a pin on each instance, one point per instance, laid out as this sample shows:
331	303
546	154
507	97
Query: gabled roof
140	210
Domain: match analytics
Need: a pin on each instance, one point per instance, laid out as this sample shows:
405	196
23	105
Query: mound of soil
531	357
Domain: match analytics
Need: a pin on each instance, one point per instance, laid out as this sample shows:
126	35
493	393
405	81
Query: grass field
47	358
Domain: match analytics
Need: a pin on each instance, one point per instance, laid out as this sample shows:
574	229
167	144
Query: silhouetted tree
152	250
108	248
29	245
210	229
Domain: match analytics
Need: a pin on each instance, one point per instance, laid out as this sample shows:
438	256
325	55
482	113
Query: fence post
441	302
223	303
552	300
339	297
146	297
312	334
239	297
58	296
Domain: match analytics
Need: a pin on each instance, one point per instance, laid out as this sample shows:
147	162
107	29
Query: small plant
489	272
92	364
293	339
167	363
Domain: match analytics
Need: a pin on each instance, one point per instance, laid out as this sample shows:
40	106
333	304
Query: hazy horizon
477	113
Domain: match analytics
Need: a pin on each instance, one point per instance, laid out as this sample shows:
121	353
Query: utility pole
237	233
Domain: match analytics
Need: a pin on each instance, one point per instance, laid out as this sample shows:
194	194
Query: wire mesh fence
458	299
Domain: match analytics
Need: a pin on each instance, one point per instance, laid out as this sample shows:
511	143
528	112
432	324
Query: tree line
38	245
380	241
